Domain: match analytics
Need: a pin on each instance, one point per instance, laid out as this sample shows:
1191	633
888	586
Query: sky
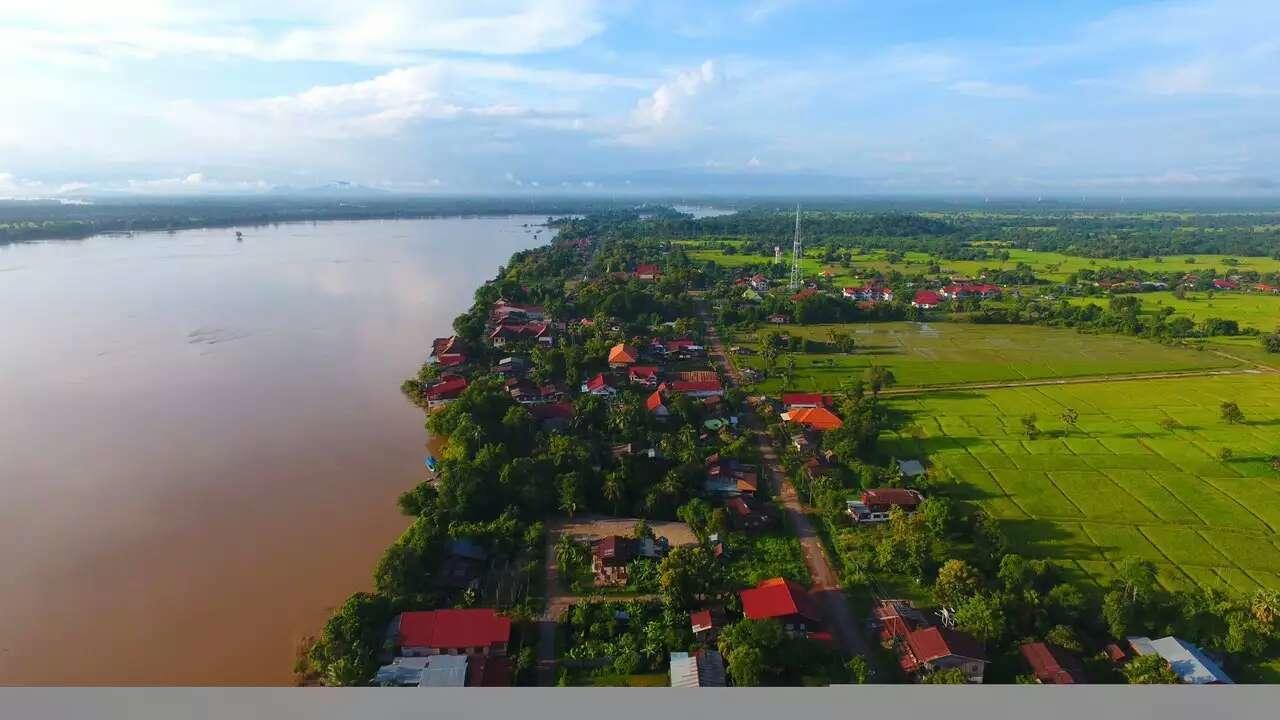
1087	98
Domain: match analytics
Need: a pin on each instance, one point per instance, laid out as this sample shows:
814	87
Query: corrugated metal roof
1192	665
445	671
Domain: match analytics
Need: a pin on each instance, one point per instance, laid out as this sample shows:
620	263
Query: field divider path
1082	380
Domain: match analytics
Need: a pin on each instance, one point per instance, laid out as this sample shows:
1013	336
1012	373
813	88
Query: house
926	300
816	418
782	600
747	513
874	505
647	271
511	332
643	375
476	631
806	400
683	348
441	347
804	294
910	469
552	415
463	565
1269	289
706	624
511	366
503	311
779	319
868	293
657	404
446	388
600	386
759	283
450	360
1225	284
1187	661
611	555
892	619
960	291
622	355
729	477
695	388
1052	665
445	671
704	668
933	648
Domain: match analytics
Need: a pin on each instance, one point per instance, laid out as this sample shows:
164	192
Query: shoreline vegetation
581	383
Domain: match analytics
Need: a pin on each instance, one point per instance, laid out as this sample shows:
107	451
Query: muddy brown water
202	440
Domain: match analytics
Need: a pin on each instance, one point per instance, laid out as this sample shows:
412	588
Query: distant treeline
39	220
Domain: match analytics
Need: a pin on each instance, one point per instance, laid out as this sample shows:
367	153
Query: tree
697	515
1231	413
614	489
1271	343
1071	417
1118	613
957	581
1265	606
982	617
946	676
859	670
747	666
642	530
687	573
346	654
878	378
1225	454
1150	670
1137	577
938	516
1029	426
569	487
1064	637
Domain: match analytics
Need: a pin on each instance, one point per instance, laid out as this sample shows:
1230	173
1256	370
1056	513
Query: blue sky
916	96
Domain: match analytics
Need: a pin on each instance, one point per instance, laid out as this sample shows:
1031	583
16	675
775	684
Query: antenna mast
796	252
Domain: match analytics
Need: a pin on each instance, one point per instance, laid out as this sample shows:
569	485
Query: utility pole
796	252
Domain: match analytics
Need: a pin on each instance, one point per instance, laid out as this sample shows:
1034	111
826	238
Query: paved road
826	583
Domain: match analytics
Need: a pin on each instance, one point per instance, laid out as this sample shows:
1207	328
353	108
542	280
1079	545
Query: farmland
1141	474
944	353
1254	310
1047	265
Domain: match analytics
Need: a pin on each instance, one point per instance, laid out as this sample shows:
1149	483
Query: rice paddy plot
1123	485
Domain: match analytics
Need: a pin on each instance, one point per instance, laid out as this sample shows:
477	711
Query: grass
753	558
922	354
1119	484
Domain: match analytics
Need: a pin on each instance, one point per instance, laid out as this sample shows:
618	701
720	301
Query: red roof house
926	299
448	360
782	600
1265	288
599	385
478	631
622	355
934	648
646	375
647	271
448	388
1053	665
657	404
818	418
1225	284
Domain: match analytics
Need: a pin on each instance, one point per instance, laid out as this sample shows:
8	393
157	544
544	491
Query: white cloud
664	112
990	90
87	34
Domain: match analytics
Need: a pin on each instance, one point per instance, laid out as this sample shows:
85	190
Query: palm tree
614	489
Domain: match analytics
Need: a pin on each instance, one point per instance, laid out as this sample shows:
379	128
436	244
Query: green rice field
1048	265
1119	484
1253	310
946	353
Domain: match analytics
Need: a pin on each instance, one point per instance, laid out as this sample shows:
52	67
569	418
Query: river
202	439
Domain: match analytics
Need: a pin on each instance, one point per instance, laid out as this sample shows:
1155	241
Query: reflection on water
202	440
